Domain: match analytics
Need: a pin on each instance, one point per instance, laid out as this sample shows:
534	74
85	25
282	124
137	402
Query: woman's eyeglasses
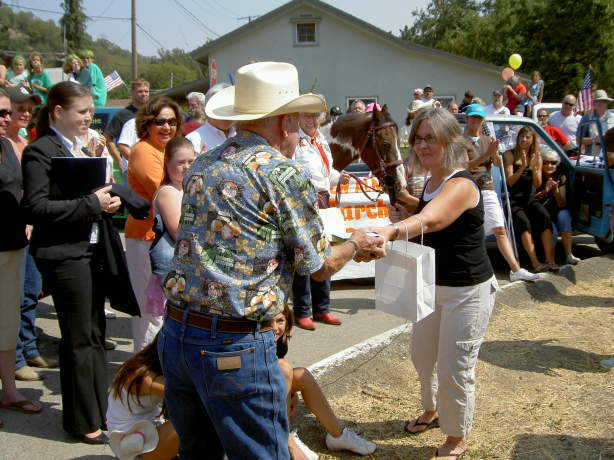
429	140
162	121
5	113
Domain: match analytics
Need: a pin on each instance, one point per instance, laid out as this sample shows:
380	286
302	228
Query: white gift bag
405	280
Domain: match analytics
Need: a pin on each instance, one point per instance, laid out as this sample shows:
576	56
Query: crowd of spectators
64	241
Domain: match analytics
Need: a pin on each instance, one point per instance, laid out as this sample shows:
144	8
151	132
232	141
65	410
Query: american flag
585	98
113	80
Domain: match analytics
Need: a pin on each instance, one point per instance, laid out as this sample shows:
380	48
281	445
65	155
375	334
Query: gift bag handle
421	230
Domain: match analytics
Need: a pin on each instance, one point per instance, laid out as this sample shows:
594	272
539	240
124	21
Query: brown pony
372	137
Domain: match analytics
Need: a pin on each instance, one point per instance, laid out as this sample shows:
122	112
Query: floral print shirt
248	221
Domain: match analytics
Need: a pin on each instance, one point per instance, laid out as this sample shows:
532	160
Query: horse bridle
383	166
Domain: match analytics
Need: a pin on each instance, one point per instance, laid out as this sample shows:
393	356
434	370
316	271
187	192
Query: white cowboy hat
263	89
601	95
140	438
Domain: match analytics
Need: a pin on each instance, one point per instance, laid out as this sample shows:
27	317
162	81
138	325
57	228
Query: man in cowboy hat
595	124
248	222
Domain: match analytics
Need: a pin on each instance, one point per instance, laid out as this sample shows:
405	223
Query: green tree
73	22
560	38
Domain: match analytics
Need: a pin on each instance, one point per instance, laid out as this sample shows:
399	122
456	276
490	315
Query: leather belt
230	326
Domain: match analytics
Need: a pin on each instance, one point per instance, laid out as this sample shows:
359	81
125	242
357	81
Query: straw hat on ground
263	89
140	438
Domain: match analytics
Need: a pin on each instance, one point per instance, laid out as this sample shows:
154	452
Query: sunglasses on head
163	121
5	112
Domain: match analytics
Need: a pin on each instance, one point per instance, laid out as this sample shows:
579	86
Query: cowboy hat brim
221	107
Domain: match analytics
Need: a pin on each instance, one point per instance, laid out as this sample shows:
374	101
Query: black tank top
522	191
460	252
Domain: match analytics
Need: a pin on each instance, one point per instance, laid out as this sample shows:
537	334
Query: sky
187	24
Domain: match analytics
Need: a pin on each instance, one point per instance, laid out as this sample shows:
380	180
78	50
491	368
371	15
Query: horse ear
385	110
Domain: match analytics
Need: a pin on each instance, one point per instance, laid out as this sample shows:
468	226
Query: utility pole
135	72
249	18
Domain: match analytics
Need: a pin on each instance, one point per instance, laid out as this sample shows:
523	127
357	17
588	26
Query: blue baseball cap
476	110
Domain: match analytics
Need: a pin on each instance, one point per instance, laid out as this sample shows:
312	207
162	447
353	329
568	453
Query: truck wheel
605	245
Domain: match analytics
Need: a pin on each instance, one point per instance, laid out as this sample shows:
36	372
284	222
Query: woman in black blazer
64	245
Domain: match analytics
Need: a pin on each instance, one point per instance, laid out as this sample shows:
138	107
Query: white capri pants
444	351
145	327
11	280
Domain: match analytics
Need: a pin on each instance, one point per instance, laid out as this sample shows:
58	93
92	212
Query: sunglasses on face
542	116
569	104
5	113
552	163
162	121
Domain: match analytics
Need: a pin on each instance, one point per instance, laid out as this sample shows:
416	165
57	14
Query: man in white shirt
212	132
566	120
313	153
497	107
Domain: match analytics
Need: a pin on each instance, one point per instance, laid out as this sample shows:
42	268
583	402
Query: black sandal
428	425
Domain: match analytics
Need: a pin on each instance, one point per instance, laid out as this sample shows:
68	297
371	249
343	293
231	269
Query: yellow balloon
515	61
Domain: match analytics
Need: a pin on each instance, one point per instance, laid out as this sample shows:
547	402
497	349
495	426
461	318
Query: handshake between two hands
371	243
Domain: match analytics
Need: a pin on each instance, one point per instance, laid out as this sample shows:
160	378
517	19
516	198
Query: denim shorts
224	392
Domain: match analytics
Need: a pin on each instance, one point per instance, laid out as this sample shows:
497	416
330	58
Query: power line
195	19
61	13
151	37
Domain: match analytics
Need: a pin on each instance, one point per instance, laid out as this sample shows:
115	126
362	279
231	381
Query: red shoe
305	323
327	318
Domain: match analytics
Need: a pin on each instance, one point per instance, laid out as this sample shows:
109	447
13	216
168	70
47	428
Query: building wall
350	62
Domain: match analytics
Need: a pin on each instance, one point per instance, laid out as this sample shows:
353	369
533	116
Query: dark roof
201	54
180	92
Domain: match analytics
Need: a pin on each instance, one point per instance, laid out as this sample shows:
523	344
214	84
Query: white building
345	58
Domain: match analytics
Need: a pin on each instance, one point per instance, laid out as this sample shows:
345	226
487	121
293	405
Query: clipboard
76	177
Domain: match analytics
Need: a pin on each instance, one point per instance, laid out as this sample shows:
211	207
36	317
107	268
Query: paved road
41	436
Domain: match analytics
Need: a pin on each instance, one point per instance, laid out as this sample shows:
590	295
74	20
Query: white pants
145	327
445	348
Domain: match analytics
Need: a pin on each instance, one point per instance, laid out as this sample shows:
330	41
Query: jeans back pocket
230	374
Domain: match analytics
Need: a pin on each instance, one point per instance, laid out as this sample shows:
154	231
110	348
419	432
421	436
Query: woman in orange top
156	123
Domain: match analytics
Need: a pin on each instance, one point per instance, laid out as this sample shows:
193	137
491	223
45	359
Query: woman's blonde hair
447	132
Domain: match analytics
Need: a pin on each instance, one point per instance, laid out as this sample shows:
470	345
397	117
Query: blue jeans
26	340
306	293
240	411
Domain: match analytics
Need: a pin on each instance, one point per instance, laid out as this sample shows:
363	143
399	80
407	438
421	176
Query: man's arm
359	245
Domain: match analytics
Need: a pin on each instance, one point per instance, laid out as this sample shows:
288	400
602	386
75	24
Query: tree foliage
23	32
560	38
73	22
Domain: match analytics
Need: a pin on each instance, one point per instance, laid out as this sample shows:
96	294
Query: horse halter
383	166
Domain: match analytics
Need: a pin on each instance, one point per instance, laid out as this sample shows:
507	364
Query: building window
306	33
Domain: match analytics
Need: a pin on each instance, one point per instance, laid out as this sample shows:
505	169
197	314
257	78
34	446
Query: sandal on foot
541	268
427	425
20	406
437	455
553	267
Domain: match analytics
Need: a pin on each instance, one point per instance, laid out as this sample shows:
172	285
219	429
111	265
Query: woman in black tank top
452	215
523	173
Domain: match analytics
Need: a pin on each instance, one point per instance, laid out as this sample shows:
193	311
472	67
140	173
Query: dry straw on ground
541	392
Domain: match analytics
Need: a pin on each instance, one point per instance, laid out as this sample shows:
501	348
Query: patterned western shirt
248	221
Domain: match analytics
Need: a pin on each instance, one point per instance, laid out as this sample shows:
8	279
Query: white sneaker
523	275
109	314
350	441
572	260
310	454
608	363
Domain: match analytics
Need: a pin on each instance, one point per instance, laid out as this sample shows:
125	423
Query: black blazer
61	227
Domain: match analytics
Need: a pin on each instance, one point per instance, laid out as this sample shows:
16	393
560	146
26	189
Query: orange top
145	172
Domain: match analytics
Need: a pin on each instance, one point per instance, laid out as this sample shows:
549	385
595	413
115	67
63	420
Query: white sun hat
140	438
263	89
